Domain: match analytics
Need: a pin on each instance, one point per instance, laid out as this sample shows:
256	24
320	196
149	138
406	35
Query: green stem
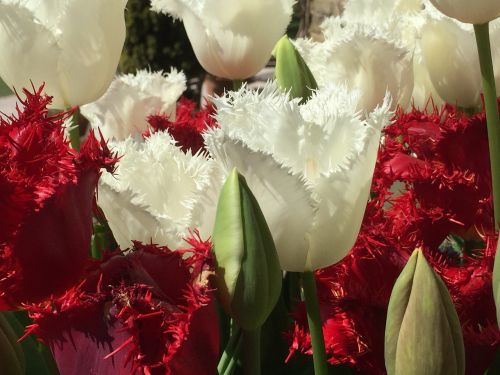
237	83
231	351
74	133
315	324
491	106
251	352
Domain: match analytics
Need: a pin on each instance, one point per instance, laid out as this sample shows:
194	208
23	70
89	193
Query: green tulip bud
292	72
496	282
423	333
248	270
11	354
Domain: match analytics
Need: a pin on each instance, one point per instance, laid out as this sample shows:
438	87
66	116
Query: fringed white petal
341	197
363	57
283	197
161	184
124	109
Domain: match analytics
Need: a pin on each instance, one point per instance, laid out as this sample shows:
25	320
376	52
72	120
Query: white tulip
363	58
72	45
309	166
231	39
469	11
123	110
153	195
449	53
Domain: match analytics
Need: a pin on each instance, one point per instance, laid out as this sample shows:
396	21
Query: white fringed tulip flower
309	166
469	11
231	39
153	195
123	110
71	45
362	58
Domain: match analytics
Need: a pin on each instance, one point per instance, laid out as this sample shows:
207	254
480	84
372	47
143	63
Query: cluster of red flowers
143	312
431	189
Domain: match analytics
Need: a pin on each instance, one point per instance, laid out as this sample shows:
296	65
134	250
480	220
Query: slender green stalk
491	106
251	352
233	360
74	134
231	352
237	83
315	324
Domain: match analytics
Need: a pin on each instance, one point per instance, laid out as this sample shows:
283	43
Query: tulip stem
237	83
74	133
231	353
315	323
251	352
491	107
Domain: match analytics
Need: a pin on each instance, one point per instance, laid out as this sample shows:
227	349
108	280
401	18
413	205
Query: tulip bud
476	12
423	333
292	72
11	355
496	283
248	269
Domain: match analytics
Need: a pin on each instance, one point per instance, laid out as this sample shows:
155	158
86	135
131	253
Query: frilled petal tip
140	313
48	200
364	58
124	109
153	193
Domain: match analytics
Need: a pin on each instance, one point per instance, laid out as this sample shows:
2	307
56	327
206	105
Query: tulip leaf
292	72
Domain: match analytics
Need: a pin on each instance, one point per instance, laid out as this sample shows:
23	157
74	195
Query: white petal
475	12
29	51
130	99
231	39
363	58
283	197
450	55
342	197
161	183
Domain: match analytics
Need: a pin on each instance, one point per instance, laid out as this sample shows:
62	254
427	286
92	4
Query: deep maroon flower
188	124
149	312
46	199
431	189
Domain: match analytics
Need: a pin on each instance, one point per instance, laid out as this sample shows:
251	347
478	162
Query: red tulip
47	193
149	312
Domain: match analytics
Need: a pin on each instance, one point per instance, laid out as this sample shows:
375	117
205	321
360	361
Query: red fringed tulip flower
188	125
150	312
431	189
47	194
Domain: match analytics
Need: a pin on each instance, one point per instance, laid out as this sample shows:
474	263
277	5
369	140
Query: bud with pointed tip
248	269
423	333
292	72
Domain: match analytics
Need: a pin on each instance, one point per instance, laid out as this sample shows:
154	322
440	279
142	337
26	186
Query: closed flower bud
231	39
476	12
73	46
292	72
248	270
423	333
